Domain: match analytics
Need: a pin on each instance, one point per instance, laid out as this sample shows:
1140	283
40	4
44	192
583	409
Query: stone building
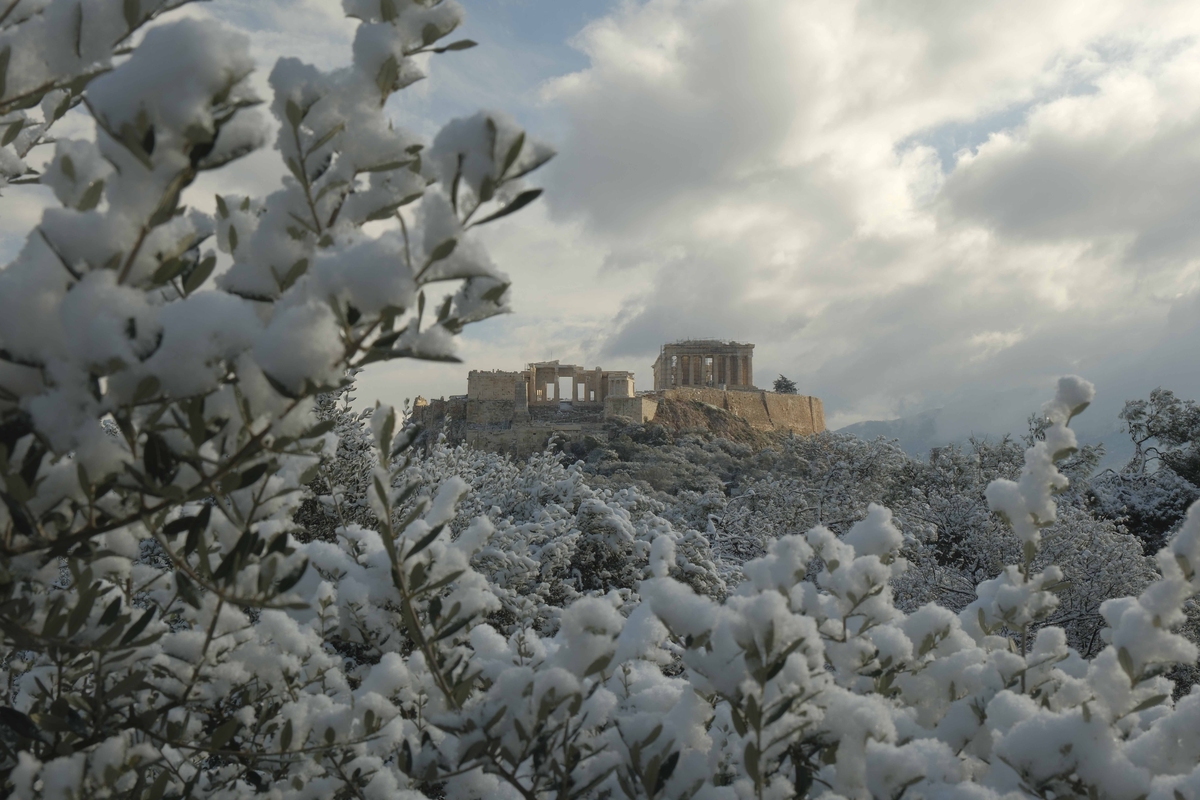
542	384
704	362
518	412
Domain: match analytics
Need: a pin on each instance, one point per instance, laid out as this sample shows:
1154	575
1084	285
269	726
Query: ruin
517	412
704	362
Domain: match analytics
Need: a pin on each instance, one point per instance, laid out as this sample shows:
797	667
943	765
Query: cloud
904	206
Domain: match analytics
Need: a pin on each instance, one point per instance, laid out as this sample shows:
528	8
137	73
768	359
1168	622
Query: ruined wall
763	410
489	412
492	385
491	397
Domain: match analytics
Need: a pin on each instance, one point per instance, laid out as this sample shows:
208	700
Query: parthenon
704	362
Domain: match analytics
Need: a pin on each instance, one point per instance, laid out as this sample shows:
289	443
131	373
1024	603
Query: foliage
784	385
153	602
459	625
1164	428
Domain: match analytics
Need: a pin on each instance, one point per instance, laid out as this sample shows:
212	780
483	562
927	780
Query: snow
453	618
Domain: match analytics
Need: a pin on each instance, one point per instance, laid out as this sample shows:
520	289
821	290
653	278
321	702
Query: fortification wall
750	407
792	412
763	410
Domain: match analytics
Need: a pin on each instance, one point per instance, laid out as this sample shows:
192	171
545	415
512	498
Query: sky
904	204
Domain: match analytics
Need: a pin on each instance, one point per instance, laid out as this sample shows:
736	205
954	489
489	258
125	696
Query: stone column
556	384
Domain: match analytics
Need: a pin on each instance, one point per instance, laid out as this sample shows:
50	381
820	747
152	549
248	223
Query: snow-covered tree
148	600
166	635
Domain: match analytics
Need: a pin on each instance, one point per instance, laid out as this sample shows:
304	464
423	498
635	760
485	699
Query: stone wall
492	385
638	409
763	410
489	412
751	407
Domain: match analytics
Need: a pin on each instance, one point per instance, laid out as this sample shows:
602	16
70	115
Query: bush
457	626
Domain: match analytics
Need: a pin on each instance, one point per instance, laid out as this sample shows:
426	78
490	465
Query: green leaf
1126	662
388	76
222	209
599	665
147	387
110	614
199	275
294	114
5	55
520	201
665	771
293	274
91	196
168	270
1149	702
461	44
133	13
514	151
739	722
320	429
233	238
251	476
751	760
159	787
281	387
293	577
138	626
443	250
334	131
387	10
223	734
285	738
187	592
425	541
453	629
12	132
158	458
430	34
67	166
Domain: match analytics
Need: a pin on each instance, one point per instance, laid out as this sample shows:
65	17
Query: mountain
917	434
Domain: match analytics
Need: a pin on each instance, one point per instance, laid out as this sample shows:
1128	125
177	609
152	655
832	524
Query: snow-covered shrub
165	635
1150	504
154	640
828	480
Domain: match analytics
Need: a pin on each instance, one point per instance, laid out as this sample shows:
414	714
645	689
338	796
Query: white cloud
782	169
904	205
